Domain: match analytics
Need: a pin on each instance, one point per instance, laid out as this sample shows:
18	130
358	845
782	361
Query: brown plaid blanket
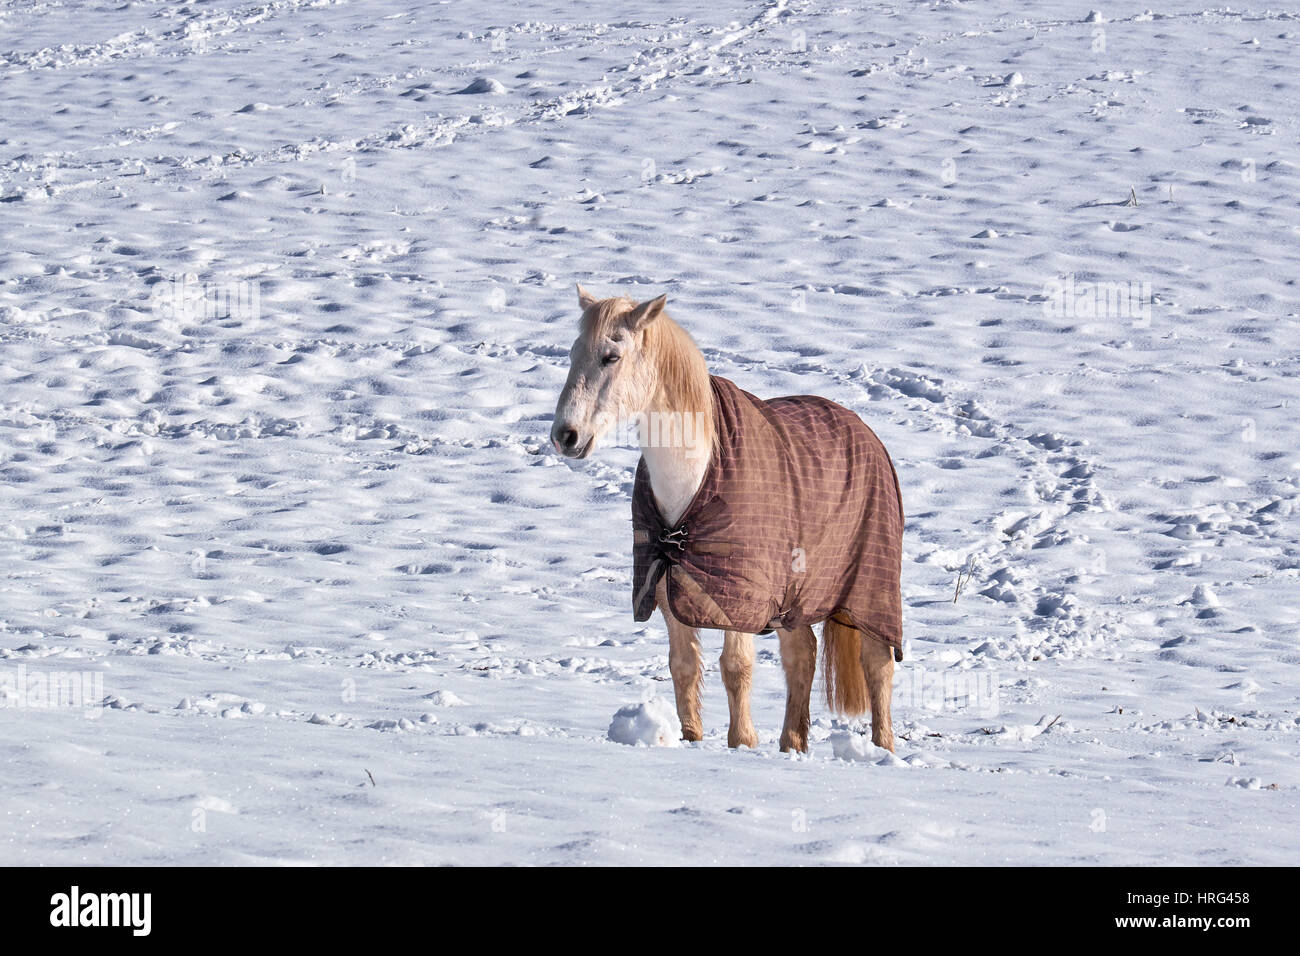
799	518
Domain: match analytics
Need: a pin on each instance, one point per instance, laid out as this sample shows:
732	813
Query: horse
701	562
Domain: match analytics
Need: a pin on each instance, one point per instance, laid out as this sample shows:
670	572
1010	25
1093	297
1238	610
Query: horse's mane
683	374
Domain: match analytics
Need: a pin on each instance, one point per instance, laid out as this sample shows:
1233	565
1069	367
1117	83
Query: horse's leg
799	658
685	665
737	665
878	662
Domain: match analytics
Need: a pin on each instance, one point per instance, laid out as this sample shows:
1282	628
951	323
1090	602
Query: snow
290	575
847	745
651	723
484	84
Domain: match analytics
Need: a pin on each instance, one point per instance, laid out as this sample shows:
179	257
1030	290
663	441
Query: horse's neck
676	442
677	467
674	478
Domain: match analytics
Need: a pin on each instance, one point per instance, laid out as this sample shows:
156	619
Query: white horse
632	362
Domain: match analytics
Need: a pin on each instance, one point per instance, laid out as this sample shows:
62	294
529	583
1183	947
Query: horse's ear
585	298
645	313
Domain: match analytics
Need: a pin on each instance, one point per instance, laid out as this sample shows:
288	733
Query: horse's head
611	377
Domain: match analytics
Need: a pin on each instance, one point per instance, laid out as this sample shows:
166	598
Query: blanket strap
701	546
651	580
701	599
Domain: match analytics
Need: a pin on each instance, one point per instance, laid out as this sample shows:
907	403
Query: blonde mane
683	376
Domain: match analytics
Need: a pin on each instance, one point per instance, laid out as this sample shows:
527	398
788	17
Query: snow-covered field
284	312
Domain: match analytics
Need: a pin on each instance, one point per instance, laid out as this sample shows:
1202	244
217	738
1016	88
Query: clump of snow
846	745
484	84
1026	732
387	724
215	804
1018	732
444	698
652	723
327	720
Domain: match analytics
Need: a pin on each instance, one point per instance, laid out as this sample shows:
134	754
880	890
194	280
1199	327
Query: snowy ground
294	520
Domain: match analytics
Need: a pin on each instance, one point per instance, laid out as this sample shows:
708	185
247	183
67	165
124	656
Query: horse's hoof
749	740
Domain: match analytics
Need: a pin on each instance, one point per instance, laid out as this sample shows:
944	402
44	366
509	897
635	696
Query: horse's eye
609	359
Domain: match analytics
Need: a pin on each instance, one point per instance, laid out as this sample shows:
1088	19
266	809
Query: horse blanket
798	518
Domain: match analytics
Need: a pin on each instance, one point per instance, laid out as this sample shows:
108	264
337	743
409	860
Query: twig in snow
964	576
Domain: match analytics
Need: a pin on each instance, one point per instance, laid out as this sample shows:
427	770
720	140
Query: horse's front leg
737	664
799	658
685	665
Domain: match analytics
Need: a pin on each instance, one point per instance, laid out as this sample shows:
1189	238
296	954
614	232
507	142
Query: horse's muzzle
565	440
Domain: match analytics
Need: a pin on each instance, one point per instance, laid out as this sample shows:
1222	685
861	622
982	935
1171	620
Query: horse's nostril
569	438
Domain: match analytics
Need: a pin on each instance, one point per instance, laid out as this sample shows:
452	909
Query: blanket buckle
672	543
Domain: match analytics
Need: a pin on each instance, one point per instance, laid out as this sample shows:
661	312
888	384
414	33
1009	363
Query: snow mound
484	84
444	698
846	745
651	724
215	804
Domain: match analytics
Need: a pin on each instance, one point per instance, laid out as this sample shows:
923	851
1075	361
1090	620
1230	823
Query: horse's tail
842	673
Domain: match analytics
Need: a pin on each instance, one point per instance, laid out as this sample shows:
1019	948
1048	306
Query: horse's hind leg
737	664
878	663
686	666
799	658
